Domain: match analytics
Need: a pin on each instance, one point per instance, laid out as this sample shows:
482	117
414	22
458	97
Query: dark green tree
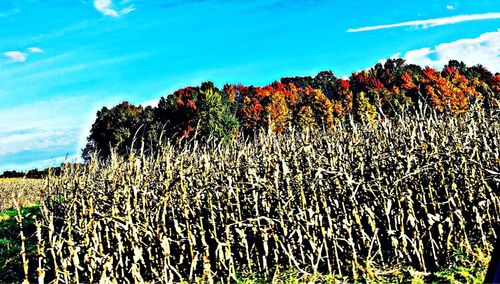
299	81
326	82
116	128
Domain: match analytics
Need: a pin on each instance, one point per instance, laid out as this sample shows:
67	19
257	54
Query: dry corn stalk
354	201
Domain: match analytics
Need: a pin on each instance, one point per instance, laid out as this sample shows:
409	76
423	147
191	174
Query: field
413	199
24	192
14	192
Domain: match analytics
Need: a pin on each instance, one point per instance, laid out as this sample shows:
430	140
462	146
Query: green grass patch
11	267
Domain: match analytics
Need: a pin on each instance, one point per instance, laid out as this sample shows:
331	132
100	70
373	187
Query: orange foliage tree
448	91
368	92
314	109
276	106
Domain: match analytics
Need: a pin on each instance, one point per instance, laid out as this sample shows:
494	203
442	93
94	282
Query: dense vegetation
413	198
389	175
383	92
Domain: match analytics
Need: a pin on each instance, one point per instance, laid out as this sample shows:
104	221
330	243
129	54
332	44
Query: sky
61	61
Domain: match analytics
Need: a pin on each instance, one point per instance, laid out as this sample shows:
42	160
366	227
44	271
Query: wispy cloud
40	130
15	56
107	8
127	10
35	50
450	7
430	23
484	50
9	13
41	114
36	139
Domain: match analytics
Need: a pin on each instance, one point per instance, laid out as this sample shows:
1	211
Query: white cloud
15	56
107	8
36	139
430	23
40	125
104	6
35	50
151	103
18	56
484	50
42	114
47	129
450	7
127	10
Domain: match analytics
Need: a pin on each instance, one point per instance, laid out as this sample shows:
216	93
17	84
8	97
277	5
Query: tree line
384	91
33	173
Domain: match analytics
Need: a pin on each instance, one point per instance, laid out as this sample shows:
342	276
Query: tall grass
360	202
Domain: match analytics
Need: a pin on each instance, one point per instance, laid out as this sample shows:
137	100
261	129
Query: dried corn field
353	203
19	191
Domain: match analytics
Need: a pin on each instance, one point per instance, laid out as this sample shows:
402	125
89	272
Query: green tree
215	117
327	83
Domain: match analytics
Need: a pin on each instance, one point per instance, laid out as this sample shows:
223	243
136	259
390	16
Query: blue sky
61	61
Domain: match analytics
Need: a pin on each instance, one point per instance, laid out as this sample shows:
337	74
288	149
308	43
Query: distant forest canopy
384	91
39	174
33	173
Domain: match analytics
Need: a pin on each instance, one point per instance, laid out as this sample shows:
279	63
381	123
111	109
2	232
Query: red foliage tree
250	113
495	87
180	112
342	98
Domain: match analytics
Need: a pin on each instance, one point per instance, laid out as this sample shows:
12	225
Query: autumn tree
383	91
327	83
449	91
278	101
390	72
313	109
341	97
495	89
251	113
116	128
484	82
324	80
367	93
299	81
395	97
178	112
